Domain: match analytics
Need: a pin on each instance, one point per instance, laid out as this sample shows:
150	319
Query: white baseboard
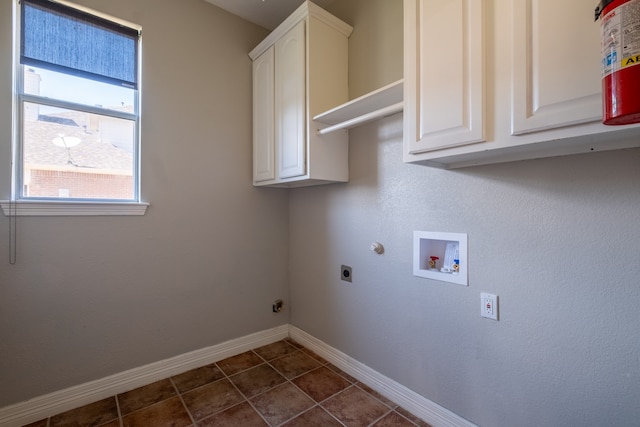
418	405
60	401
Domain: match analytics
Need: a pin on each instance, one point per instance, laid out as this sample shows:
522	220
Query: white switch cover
489	306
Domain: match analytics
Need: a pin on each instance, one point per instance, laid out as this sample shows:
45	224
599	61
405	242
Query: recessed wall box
440	256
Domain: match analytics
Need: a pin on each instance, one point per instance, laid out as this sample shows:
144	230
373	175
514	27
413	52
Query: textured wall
91	296
557	239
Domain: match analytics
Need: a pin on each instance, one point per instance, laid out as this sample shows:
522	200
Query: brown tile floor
281	384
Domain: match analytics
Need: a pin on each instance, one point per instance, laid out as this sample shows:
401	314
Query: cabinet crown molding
306	9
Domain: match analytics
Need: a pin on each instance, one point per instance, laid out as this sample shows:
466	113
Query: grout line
296	415
402	416
305	394
393	405
228	378
332	416
316	403
193	421
372	423
120	421
323	363
244	370
289	381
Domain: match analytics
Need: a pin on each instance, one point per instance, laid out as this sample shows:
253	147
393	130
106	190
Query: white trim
55	208
60	401
418	405
304	11
83	394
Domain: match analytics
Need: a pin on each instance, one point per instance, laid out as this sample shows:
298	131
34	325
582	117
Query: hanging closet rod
382	112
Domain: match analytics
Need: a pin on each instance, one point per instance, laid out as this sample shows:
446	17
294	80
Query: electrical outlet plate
277	306
345	273
489	306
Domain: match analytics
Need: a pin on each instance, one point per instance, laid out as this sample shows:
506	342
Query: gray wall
90	297
556	239
375	46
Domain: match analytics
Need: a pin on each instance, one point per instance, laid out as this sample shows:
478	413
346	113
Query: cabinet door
290	102
556	65
263	117
444	74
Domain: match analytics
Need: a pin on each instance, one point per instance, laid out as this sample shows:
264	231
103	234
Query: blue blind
64	39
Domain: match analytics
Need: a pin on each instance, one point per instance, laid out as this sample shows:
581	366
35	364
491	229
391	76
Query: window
77	121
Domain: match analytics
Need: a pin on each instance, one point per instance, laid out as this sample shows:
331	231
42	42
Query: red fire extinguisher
620	28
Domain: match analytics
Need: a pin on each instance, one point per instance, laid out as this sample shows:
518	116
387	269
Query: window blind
64	39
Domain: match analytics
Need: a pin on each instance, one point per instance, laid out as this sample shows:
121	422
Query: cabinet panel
309	70
543	82
556	73
290	102
263	127
444	74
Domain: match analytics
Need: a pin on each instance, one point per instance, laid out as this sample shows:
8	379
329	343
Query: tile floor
280	384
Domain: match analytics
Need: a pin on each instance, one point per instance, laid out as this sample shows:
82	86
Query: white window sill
55	208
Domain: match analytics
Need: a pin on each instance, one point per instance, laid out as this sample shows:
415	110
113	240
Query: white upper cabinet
556	65
444	63
263	129
489	81
290	102
300	70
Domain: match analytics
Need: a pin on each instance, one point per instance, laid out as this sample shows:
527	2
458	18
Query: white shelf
374	105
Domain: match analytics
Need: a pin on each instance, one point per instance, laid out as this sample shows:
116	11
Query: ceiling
266	13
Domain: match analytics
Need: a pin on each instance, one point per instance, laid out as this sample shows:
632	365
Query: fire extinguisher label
621	37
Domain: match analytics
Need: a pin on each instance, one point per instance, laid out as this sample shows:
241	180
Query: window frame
21	205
